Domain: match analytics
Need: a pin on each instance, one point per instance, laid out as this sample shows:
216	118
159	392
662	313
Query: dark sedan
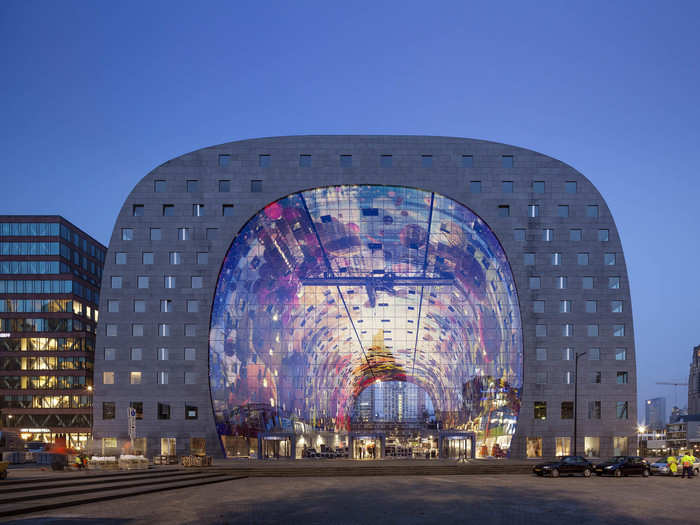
619	466
565	466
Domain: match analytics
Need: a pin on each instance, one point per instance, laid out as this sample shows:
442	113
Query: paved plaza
502	499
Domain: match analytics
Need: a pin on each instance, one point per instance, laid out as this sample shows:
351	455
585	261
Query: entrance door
276	448
458	448
366	448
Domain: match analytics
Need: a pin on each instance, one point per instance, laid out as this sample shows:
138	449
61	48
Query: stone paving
511	500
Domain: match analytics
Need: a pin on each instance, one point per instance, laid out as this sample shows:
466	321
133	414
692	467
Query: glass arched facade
328	291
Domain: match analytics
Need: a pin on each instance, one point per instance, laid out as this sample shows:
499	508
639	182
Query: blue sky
93	95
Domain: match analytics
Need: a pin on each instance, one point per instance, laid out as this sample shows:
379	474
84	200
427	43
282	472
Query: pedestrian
687	464
672	465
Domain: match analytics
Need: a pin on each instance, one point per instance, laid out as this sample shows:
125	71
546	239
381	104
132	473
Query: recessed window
160	186
541	354
224	186
538	307
603	235
111	330
120	258
256	186
190	411
592	211
137	330
162	354
548	235
224	160
535	283
529	259
142	281
107	378
190	330
116	281
135	378
196	281
596	377
620	354
561	282
155	234
582	259
202	258
168	210
593	412
533	210
587	283
192	306
567	330
593	354
136	354
570	186
198	210
592	330
541	330
538	186
264	160
164	330
568	377
345	161
616	307
591	307
175	258
184	234
504	210
556	259
567	354
163	409
565	306
507	161
622	378
110	354
467	161
305	161
427	161
618	330
541	378
541	406
190	378
567	409
385	161
609	259
162	378
613	283
507	186
575	235
139	306
563	210
227	210
169	281
622	409
137	210
166	305
475	186
147	258
127	234
109	410
190	354
519	234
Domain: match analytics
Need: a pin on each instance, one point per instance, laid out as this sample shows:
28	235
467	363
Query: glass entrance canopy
327	291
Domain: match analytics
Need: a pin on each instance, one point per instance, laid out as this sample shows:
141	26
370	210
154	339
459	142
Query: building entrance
457	445
277	447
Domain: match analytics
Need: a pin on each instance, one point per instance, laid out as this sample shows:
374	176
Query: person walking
687	464
672	465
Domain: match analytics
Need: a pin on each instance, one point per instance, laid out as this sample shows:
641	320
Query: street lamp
640	430
577	355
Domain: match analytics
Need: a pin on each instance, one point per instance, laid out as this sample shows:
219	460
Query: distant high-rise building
694	383
655	413
677	414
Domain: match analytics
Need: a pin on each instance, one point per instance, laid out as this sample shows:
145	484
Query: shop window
534	447
168	446
562	446
620	445
198	446
591	446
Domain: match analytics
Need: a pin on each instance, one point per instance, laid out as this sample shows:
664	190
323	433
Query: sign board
132	424
4	334
693	431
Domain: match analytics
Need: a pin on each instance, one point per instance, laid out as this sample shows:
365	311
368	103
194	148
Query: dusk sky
94	95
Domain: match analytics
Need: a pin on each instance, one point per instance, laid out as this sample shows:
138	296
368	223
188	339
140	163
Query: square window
139	306
156	234
591	307
385	161
162	354
163	409
548	235
166	305
538	186
227	210
603	235
570	186
190	330
538	307
618	330
175	258
504	210
190	378
190	354
264	161
562	282
169	281
224	160
519	234
567	330
162	378
541	330
616	307
565	306
533	210
164	330
147	258
556	259
127	234
533	447
467	161
592	211
563	210
541	406
136	354
592	330
198	210
593	354
622	409
622	378
541	378
160	186
575	235
507	161
109	409
529	259
507	186
142	281
113	306
110	354
137	210
345	161
596	377
137	330
613	283
107	378
593	411
427	161
116	281
190	412
541	354
475	186
224	186
192	306
168	210
609	259
120	258
582	259
567	354
305	161
202	258
256	186
587	283
135	378
111	330
621	354
196	281
535	283
567	410
212	234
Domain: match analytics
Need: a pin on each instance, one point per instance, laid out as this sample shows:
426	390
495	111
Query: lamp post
577	355
640	430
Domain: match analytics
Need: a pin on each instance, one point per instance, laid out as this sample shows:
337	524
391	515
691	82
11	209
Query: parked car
565	466
309	453
660	468
619	466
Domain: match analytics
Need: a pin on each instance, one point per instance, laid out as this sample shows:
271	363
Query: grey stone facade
281	174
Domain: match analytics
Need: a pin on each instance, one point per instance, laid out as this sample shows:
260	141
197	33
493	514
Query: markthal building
365	297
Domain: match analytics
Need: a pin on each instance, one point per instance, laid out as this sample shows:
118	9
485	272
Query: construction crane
675	389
